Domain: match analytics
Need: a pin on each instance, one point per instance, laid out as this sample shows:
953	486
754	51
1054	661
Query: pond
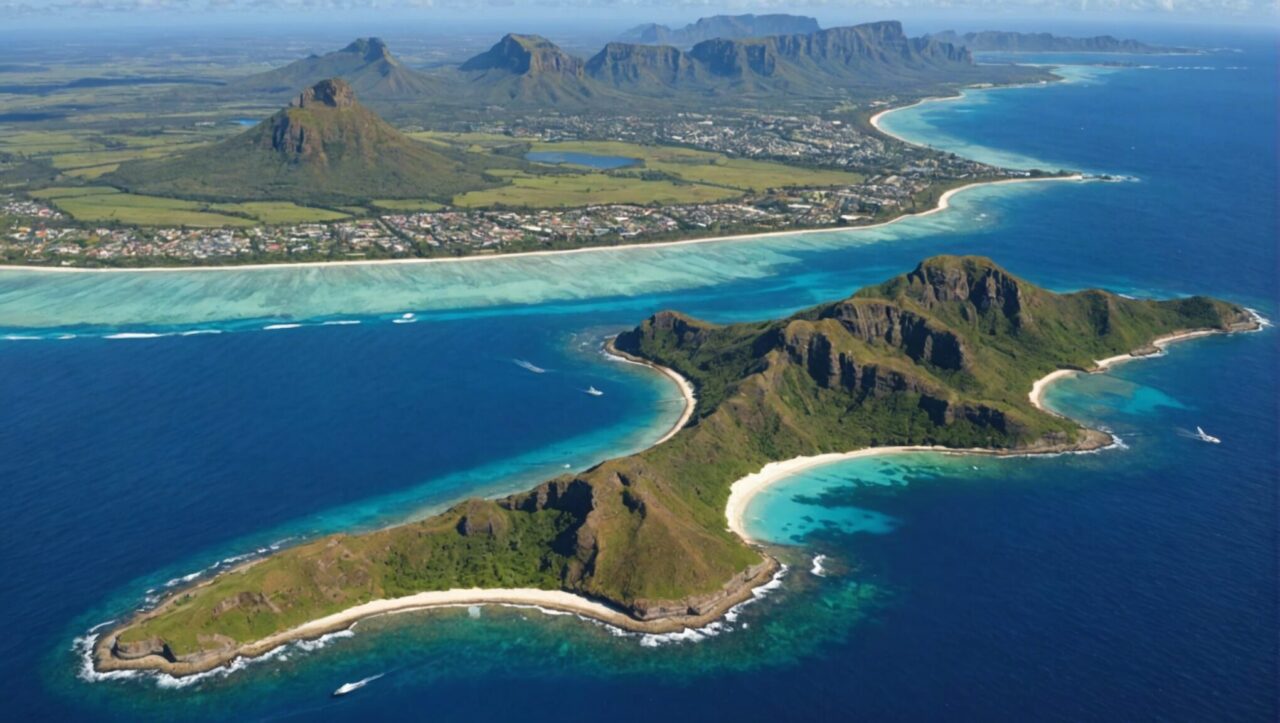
590	160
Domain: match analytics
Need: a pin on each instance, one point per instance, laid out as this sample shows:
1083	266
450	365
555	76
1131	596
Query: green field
281	212
88	154
710	168
670	175
584	189
407	205
101	204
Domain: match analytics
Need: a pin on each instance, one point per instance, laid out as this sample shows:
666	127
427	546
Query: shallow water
1131	584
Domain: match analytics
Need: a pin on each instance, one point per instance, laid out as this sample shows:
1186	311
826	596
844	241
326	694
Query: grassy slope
352	156
103	204
943	355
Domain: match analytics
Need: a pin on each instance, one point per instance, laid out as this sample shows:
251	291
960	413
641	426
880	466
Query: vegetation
942	355
103	204
582	189
324	148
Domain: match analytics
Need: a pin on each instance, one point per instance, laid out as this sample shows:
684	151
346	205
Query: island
948	356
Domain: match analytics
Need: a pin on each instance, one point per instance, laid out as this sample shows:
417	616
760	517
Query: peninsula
940	357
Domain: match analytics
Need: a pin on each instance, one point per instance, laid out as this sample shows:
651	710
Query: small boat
350	687
1204	436
594	392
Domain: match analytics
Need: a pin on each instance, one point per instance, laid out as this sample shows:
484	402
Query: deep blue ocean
1132	584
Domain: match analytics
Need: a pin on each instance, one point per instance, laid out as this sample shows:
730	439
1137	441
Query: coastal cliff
941	356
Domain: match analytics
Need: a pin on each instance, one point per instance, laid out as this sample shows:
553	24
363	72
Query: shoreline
1155	348
685	386
961	94
744	490
942	205
104	659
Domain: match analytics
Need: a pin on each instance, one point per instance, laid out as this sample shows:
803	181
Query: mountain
525	70
325	147
836	61
943	355
647	69
1009	42
720	26
367	65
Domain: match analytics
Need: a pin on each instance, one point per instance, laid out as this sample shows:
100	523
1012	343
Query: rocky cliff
942	355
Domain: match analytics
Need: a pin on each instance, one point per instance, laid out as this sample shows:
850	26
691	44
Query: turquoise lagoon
1136	583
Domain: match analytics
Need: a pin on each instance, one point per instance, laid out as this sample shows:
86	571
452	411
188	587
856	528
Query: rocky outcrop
683	330
721	26
736	589
986	288
331	93
141	649
629	65
877	322
524	54
859	51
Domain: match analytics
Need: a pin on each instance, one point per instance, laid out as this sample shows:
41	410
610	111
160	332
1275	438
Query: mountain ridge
367	64
720	26
1015	42
942	355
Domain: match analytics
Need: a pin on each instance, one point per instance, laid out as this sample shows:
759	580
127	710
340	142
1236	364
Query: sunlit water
1132	584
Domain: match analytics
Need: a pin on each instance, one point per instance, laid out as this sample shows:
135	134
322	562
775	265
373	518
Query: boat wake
529	365
350	687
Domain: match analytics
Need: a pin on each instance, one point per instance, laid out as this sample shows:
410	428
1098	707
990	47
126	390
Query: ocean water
1133	584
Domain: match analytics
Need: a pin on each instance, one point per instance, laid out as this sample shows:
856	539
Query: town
899	179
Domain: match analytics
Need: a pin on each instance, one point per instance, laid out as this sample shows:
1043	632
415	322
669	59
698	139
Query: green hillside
943	355
367	65
324	148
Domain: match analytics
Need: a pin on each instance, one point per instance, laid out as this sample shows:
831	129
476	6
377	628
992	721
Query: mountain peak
522	54
331	93
370	49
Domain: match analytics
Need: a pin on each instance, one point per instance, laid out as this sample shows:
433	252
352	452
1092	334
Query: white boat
1204	436
349	687
594	392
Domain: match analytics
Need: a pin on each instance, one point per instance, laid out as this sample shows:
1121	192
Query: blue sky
649	8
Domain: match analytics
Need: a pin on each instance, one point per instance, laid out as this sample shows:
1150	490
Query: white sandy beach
685	386
745	489
943	204
549	599
1101	365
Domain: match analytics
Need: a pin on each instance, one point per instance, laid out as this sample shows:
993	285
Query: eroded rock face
331	93
480	519
891	325
525	54
701	604
988	289
141	649
686	331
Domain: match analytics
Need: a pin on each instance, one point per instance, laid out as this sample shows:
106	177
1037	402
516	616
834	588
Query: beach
744	490
554	601
942	205
686	388
549	600
1156	347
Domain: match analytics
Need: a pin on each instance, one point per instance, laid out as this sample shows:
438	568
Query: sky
635	8
605	18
